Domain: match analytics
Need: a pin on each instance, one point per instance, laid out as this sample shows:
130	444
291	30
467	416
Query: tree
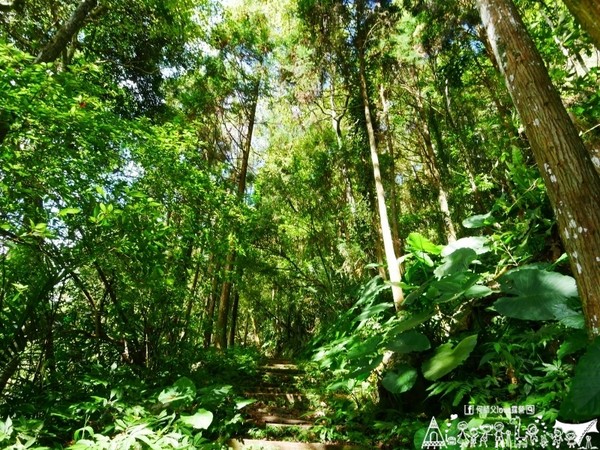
587	13
393	266
572	182
63	36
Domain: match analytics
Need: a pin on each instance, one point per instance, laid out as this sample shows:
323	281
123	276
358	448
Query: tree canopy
402	194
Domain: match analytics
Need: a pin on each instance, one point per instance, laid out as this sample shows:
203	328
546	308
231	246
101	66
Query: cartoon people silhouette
571	439
532	433
485	429
463	436
499	434
557	437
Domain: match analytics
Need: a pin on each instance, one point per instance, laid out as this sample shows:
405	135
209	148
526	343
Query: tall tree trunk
61	39
234	317
224	303
388	242
432	164
587	13
223	314
336	124
389	144
572	183
191	301
211	304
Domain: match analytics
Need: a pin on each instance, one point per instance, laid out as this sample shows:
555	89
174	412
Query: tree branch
61	39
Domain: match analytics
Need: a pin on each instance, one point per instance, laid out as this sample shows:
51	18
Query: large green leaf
182	391
574	342
476	243
479	220
447	358
409	341
364	348
200	421
401	380
583	399
409	323
418	242
372	311
457	261
538	295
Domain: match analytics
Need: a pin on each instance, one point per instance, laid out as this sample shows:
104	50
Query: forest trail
281	408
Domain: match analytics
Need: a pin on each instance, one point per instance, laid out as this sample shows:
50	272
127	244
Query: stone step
280	367
279	420
261	444
288	397
272	389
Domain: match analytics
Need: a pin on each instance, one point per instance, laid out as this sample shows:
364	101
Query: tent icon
433	436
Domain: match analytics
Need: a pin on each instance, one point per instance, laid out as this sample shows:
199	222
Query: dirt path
281	408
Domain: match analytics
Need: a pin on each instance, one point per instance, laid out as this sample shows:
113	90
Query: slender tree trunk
234	318
61	39
255	337
223	314
211	304
572	183
388	242
191	301
246	329
432	164
393	201
224	303
587	13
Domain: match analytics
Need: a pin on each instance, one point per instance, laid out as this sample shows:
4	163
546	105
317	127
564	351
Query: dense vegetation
391	192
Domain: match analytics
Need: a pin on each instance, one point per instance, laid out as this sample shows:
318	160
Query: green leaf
66	211
447	358
373	310
457	261
478	291
418	242
476	243
409	341
200	421
583	399
183	390
573	343
410	322
401	380
538	295
243	402
479	220
6	429
364	348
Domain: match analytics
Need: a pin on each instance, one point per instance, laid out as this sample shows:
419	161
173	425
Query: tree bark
61	39
432	164
388	242
394	205
587	14
221	335
572	183
234	318
211	303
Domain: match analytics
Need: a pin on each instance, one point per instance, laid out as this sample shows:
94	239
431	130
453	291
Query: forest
375	220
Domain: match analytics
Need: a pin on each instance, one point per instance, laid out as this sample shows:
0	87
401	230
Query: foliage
123	225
